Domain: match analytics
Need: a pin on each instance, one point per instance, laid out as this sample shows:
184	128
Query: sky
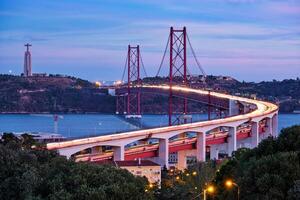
251	40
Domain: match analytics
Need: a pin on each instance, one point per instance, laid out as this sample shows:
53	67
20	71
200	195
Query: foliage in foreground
42	174
187	184
270	171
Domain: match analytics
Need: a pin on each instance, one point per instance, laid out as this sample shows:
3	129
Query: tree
27	173
187	184
270	171
294	191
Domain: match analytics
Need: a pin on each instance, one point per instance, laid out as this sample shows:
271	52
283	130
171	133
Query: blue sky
251	40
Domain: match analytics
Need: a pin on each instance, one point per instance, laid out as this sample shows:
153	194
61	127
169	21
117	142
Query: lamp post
209	189
230	183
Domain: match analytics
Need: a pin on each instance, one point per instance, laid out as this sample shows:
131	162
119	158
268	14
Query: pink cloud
284	8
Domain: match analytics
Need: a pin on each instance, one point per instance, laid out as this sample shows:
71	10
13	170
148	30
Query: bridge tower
130	103
133	99
178	68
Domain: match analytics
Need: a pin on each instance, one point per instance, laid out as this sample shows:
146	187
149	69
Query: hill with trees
65	94
53	94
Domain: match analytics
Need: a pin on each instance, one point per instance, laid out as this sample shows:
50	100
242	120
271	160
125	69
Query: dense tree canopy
42	174
270	171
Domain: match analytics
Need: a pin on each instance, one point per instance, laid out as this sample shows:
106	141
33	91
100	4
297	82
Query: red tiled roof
104	162
132	163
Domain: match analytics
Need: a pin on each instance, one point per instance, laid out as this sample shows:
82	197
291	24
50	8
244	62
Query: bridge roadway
228	141
185	143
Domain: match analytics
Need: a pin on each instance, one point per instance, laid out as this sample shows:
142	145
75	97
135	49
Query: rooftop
127	163
133	163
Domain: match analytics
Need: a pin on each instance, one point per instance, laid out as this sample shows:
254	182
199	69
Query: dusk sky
251	40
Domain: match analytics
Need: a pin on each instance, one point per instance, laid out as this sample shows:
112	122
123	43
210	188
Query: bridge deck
263	109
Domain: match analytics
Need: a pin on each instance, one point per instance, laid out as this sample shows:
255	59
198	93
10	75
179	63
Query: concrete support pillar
181	160
214	152
119	153
275	125
163	152
254	134
64	153
231	140
201	146
269	128
233	108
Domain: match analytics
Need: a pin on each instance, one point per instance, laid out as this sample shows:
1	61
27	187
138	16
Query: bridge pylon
129	104
178	71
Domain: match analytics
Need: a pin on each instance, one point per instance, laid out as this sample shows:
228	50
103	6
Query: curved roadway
263	109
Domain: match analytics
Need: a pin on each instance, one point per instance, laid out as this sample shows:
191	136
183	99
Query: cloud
283	8
94	35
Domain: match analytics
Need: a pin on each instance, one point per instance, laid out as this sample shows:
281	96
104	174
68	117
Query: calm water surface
77	125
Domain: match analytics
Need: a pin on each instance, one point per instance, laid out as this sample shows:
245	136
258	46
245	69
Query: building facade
147	168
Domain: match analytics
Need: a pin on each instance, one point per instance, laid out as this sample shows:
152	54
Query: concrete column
64	152
201	144
214	152
269	129
275	125
231	140
119	153
163	152
254	134
181	160
233	108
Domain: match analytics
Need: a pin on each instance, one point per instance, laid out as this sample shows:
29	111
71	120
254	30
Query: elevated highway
207	133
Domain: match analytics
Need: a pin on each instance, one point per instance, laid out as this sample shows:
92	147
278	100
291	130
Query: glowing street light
229	184
98	84
209	189
194	173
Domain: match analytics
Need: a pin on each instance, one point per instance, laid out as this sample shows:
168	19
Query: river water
78	125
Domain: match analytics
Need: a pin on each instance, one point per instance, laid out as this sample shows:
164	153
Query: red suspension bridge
247	122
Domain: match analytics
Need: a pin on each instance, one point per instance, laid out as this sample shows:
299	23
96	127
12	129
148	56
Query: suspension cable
194	55
125	67
143	66
163	58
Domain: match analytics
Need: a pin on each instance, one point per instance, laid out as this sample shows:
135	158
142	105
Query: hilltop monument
27	61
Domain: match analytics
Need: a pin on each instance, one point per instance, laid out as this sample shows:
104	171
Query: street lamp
230	184
209	189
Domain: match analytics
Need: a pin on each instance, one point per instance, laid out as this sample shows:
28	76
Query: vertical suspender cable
163	58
